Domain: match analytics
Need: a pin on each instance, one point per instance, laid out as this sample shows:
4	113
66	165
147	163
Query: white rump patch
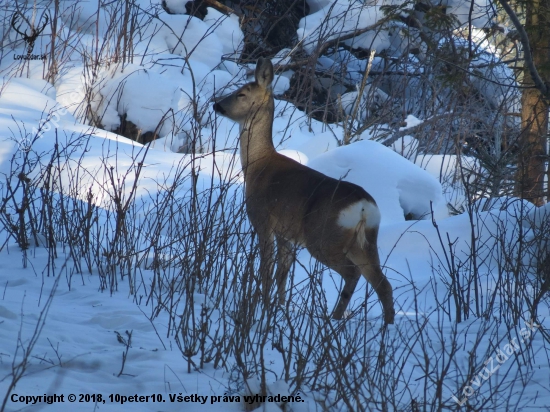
362	213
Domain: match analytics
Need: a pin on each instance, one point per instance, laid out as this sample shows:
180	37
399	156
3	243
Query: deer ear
264	72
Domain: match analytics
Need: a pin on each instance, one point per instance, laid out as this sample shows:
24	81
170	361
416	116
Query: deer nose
218	108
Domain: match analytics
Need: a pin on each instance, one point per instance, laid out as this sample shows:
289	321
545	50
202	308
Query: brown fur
298	205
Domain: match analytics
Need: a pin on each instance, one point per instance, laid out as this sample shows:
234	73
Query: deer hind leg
351	274
368	262
285	257
331	253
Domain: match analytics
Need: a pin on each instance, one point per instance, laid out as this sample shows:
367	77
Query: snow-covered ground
463	332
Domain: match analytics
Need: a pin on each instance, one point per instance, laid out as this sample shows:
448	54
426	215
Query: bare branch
539	83
326	45
414	129
222	8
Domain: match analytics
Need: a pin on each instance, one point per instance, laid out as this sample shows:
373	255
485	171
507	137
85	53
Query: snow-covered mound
399	187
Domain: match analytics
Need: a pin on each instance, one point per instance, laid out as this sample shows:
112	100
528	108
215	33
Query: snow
143	96
70	92
406	146
22	96
370	98
176	6
398	186
190	37
336	18
280	85
451	171
464	9
226	28
491	77
81	325
440	266
539	216
321	143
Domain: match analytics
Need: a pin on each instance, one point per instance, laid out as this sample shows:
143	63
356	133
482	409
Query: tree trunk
534	108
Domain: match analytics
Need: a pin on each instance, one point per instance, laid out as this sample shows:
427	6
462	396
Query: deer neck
256	137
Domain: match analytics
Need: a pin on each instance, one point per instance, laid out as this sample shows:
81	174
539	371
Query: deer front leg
266	263
285	257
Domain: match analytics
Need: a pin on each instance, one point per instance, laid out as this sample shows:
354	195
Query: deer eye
241	95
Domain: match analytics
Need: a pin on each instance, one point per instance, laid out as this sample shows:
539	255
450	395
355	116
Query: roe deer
337	221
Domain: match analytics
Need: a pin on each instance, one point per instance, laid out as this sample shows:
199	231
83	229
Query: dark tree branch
415	129
328	44
222	8
524	39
